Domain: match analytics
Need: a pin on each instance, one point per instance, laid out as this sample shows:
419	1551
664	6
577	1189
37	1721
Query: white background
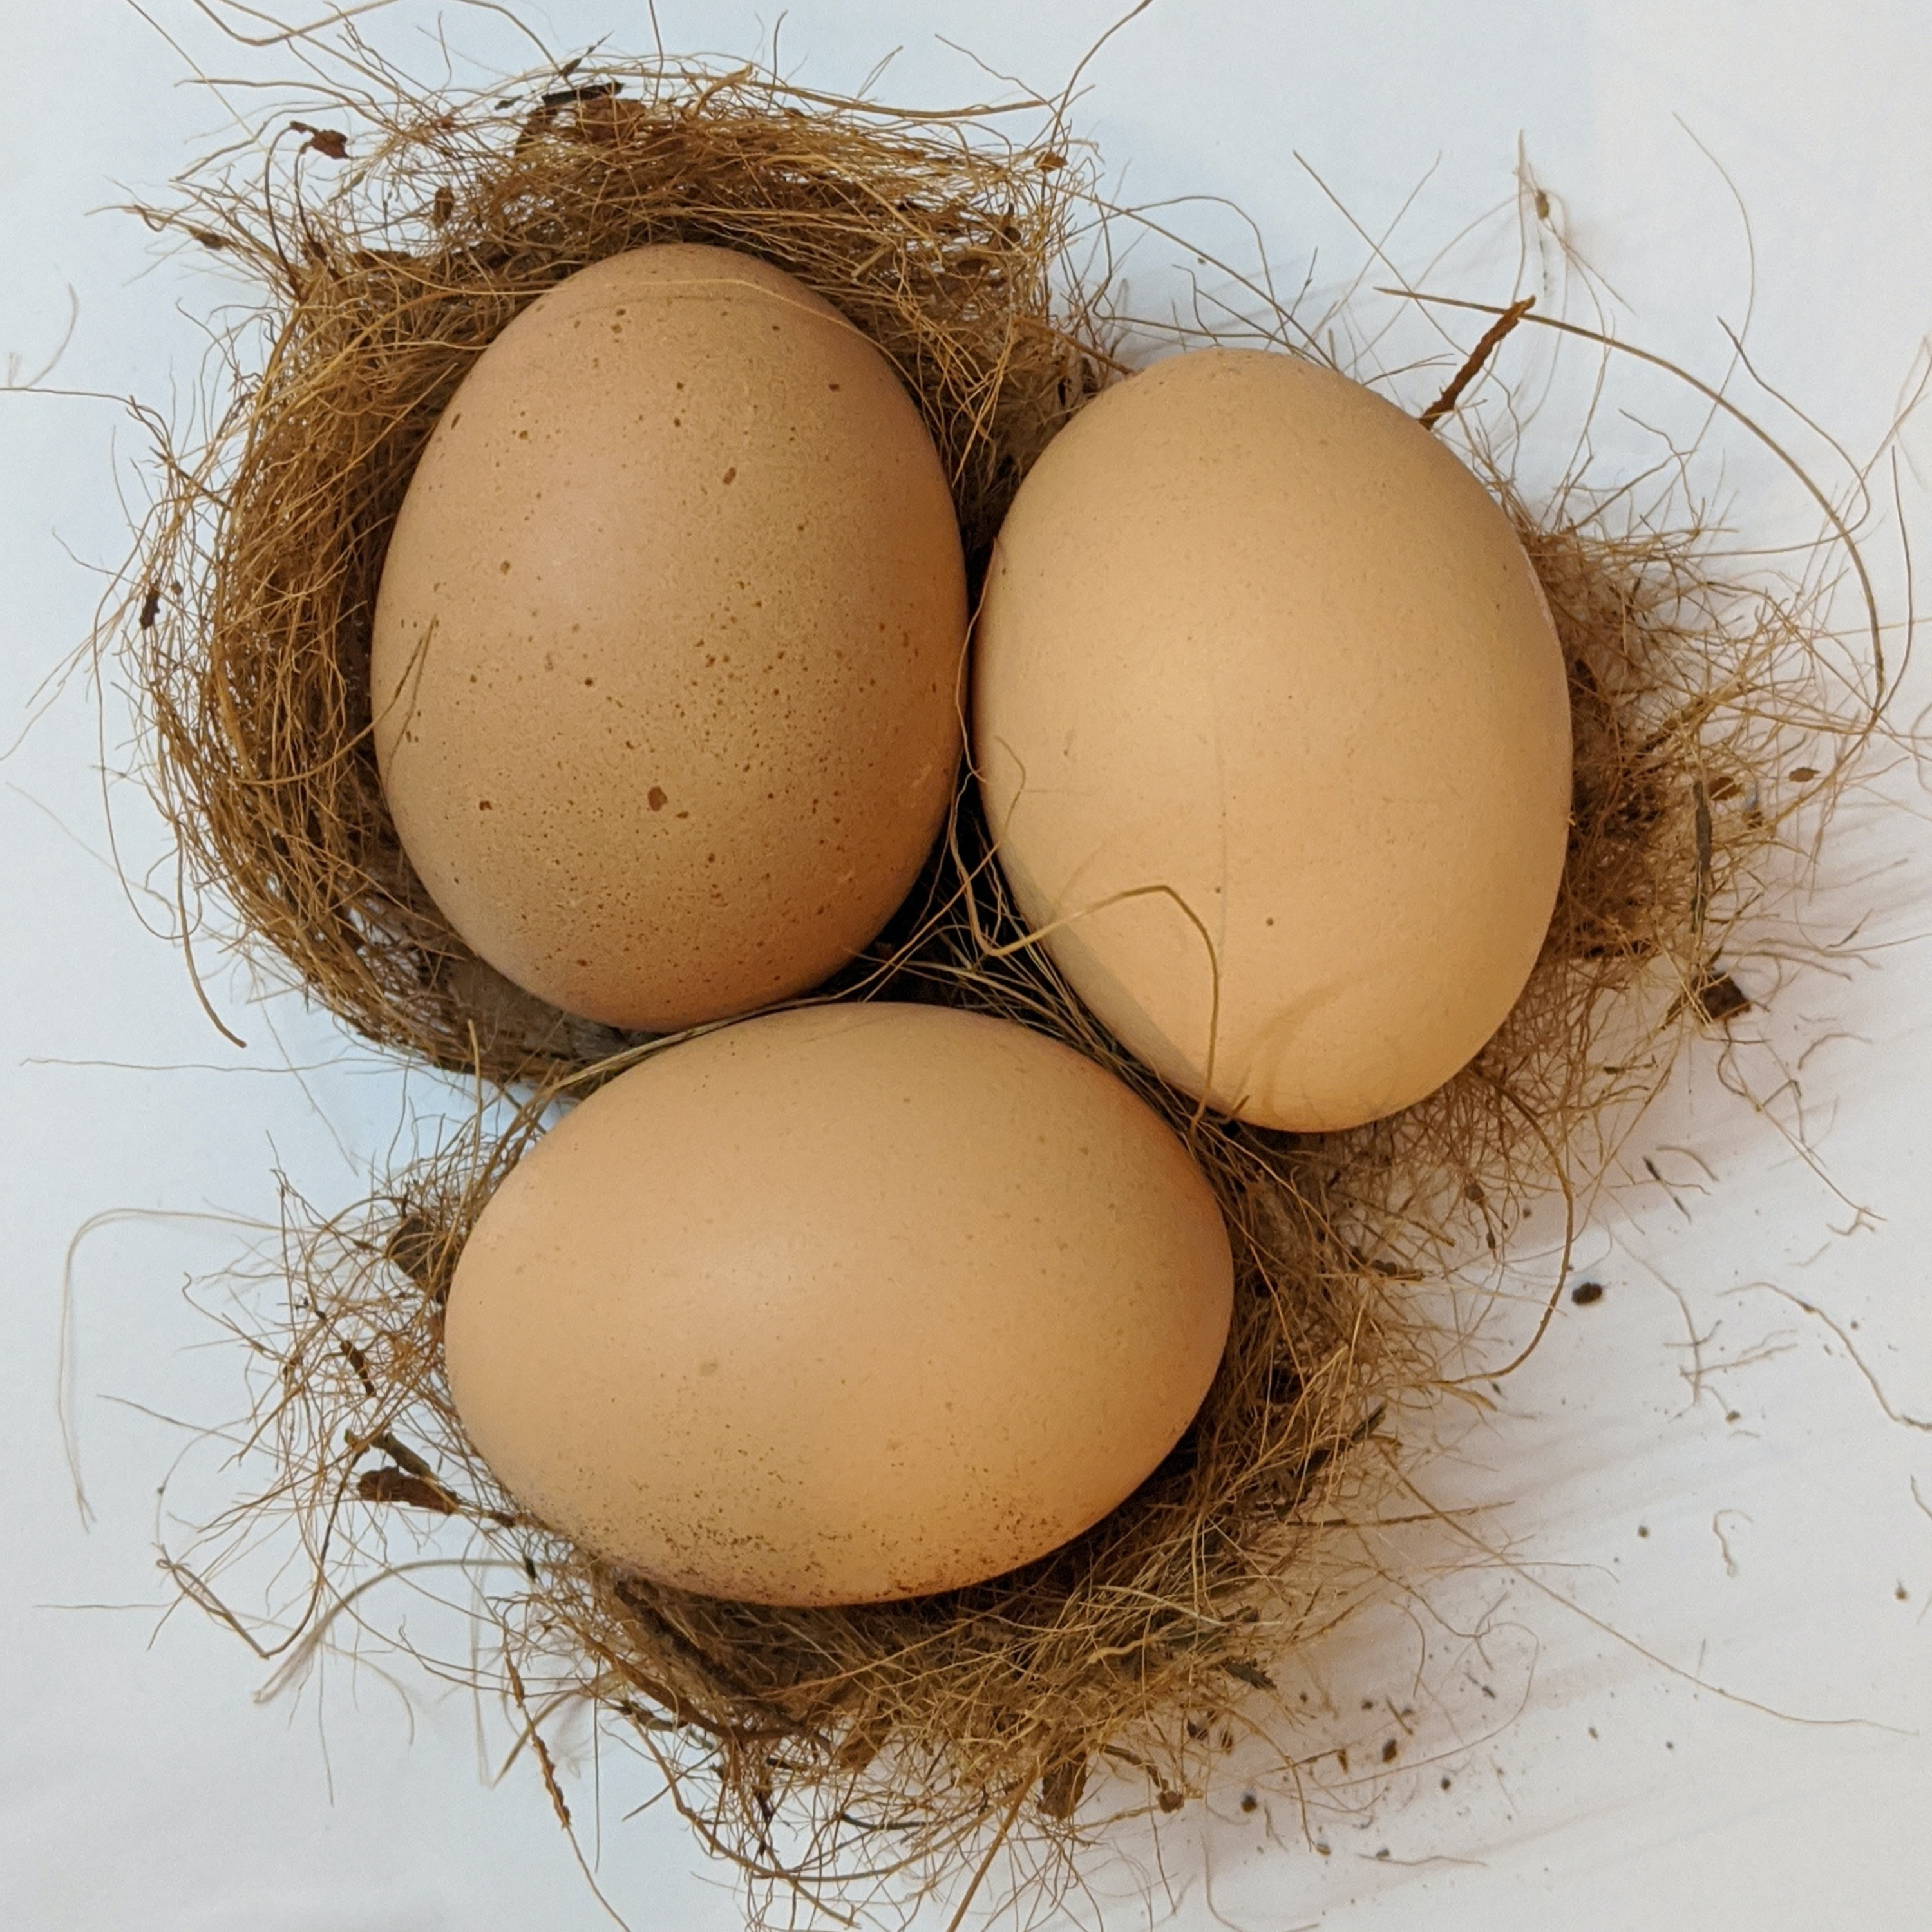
1779	1556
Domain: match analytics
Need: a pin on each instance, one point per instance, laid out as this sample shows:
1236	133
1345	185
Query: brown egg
1272	728
841	1304
667	653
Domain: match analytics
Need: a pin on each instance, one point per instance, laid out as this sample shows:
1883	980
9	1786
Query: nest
256	587
843	1756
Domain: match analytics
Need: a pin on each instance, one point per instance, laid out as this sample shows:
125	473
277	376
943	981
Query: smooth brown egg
841	1304
667	654
1272	729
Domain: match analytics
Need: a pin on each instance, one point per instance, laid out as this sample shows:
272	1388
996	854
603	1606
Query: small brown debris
1716	997
359	1361
1720	998
570	97
443	206
390	1485
1389	1751
151	607
1244	1671
330	142
1586	1292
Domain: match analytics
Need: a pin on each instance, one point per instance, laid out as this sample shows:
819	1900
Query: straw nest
848	1756
256	587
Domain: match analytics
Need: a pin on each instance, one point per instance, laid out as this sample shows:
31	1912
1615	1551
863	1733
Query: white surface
141	1789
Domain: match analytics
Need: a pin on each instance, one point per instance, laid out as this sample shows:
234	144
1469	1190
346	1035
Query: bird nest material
257	585
846	1757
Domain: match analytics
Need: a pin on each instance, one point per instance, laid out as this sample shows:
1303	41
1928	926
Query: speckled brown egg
1272	728
666	652
841	1304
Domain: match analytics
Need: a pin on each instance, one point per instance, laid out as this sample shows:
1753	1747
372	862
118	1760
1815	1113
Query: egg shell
841	1304
666	662
1273	730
